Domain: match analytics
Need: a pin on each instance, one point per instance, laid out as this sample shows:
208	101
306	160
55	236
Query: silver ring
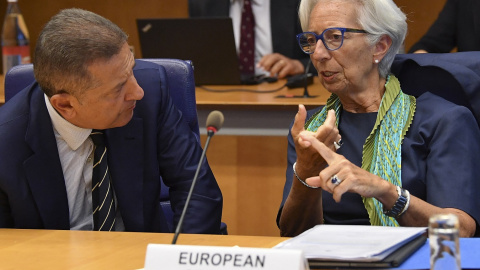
335	180
338	144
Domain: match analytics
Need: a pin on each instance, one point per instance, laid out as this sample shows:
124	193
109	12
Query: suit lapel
43	169
126	163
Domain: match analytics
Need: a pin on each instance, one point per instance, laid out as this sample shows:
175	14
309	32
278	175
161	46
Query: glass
332	38
444	243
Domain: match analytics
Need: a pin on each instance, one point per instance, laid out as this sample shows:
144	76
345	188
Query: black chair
453	76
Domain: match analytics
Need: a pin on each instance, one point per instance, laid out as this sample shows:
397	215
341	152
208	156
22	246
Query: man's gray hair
377	17
71	41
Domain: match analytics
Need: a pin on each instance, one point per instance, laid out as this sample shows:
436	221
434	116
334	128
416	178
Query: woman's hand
342	176
350	178
309	161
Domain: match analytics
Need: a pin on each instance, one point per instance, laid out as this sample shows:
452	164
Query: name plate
161	256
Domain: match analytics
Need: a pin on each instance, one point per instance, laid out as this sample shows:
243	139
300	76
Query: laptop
208	42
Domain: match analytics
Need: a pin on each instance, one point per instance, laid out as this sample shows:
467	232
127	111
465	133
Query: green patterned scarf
382	153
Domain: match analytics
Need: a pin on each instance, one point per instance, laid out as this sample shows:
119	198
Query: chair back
18	78
181	85
453	76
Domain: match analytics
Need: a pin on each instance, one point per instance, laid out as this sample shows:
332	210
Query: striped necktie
246	54
103	202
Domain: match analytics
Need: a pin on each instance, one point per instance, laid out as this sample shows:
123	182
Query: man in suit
276	24
87	79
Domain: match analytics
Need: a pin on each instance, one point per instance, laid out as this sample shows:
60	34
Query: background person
85	74
393	159
457	26
276	24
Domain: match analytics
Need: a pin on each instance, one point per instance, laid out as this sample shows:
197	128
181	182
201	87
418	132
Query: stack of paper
353	243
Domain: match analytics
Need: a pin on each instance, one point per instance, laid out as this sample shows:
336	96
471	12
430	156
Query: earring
376	61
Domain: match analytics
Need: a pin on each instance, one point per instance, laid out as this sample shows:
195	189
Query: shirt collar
74	136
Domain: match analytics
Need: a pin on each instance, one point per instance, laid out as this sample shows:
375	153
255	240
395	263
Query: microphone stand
210	134
305	85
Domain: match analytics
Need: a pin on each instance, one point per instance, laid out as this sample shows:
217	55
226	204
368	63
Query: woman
393	160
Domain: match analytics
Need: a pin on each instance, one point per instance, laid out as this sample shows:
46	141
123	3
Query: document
351	242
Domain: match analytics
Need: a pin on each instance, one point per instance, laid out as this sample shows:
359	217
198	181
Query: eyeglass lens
332	39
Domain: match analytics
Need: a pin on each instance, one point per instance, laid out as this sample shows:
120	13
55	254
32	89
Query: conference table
56	249
59	249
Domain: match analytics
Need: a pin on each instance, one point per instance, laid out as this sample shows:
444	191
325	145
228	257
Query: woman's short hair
377	17
71	41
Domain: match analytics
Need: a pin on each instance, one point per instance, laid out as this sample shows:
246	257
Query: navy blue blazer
156	143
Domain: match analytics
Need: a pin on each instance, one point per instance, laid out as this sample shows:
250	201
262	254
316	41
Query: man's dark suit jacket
283	18
457	25
155	143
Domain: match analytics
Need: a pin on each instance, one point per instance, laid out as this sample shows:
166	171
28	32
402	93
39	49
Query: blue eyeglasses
332	38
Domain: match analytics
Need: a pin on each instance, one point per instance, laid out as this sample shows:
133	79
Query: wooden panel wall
420	16
121	12
251	173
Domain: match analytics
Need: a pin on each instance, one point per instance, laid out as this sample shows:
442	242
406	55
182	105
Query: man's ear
381	47
63	104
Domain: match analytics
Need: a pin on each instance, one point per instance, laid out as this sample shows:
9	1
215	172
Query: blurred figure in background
457	26
275	24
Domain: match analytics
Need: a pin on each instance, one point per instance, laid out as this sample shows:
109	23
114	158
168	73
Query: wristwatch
399	206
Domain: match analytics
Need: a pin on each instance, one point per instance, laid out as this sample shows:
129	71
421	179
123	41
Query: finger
315	181
324	183
284	71
268	61
328	132
321	148
300	117
327	128
340	188
278	66
303	142
331	119
338	191
275	68
336	187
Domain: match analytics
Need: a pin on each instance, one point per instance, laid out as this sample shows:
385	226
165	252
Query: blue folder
469	253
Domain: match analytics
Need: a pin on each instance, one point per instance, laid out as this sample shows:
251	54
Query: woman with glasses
374	155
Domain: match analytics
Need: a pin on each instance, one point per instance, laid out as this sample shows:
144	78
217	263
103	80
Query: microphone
214	123
305	82
299	81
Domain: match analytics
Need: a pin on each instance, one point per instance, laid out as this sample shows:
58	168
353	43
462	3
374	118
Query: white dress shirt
263	30
75	148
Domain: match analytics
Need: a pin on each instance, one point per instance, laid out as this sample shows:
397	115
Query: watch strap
399	206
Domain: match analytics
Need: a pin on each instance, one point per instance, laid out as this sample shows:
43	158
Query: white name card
173	257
